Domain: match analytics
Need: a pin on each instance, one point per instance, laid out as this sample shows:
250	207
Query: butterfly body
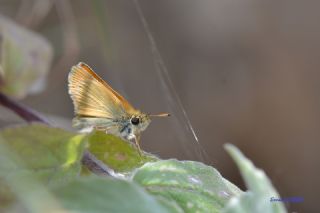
125	127
97	106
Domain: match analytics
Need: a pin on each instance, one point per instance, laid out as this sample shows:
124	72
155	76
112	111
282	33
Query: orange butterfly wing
93	97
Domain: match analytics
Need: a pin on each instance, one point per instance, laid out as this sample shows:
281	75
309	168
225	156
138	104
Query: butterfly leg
137	141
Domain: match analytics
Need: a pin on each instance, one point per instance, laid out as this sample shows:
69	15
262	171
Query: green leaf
24	60
52	154
194	186
20	190
119	155
260	189
94	194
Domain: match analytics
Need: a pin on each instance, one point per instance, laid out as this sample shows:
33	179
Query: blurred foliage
36	154
260	189
53	154
26	192
94	194
24	60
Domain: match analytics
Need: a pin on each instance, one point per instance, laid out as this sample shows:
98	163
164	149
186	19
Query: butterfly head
140	122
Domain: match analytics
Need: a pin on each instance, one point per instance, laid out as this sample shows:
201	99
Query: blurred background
246	72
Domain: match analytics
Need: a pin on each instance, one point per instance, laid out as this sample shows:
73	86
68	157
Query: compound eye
135	121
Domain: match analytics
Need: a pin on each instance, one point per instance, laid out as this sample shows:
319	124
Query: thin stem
24	112
29	115
95	165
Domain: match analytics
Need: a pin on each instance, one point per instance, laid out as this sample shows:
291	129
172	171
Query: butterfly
99	107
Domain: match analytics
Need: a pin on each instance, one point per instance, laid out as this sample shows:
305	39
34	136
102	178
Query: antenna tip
161	115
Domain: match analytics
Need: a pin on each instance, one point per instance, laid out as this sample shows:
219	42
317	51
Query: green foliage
94	194
260	189
24	60
52	154
118	154
23	177
194	186
41	163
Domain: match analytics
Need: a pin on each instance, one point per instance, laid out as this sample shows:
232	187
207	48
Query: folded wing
93	97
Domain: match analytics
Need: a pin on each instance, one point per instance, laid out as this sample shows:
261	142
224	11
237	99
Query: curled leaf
260	188
24	60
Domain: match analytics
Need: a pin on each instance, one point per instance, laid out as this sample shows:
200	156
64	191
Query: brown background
247	72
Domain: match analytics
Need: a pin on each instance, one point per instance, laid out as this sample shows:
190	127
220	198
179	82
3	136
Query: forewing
93	97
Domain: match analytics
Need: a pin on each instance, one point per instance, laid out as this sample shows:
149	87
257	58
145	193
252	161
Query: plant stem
29	115
24	112
95	165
